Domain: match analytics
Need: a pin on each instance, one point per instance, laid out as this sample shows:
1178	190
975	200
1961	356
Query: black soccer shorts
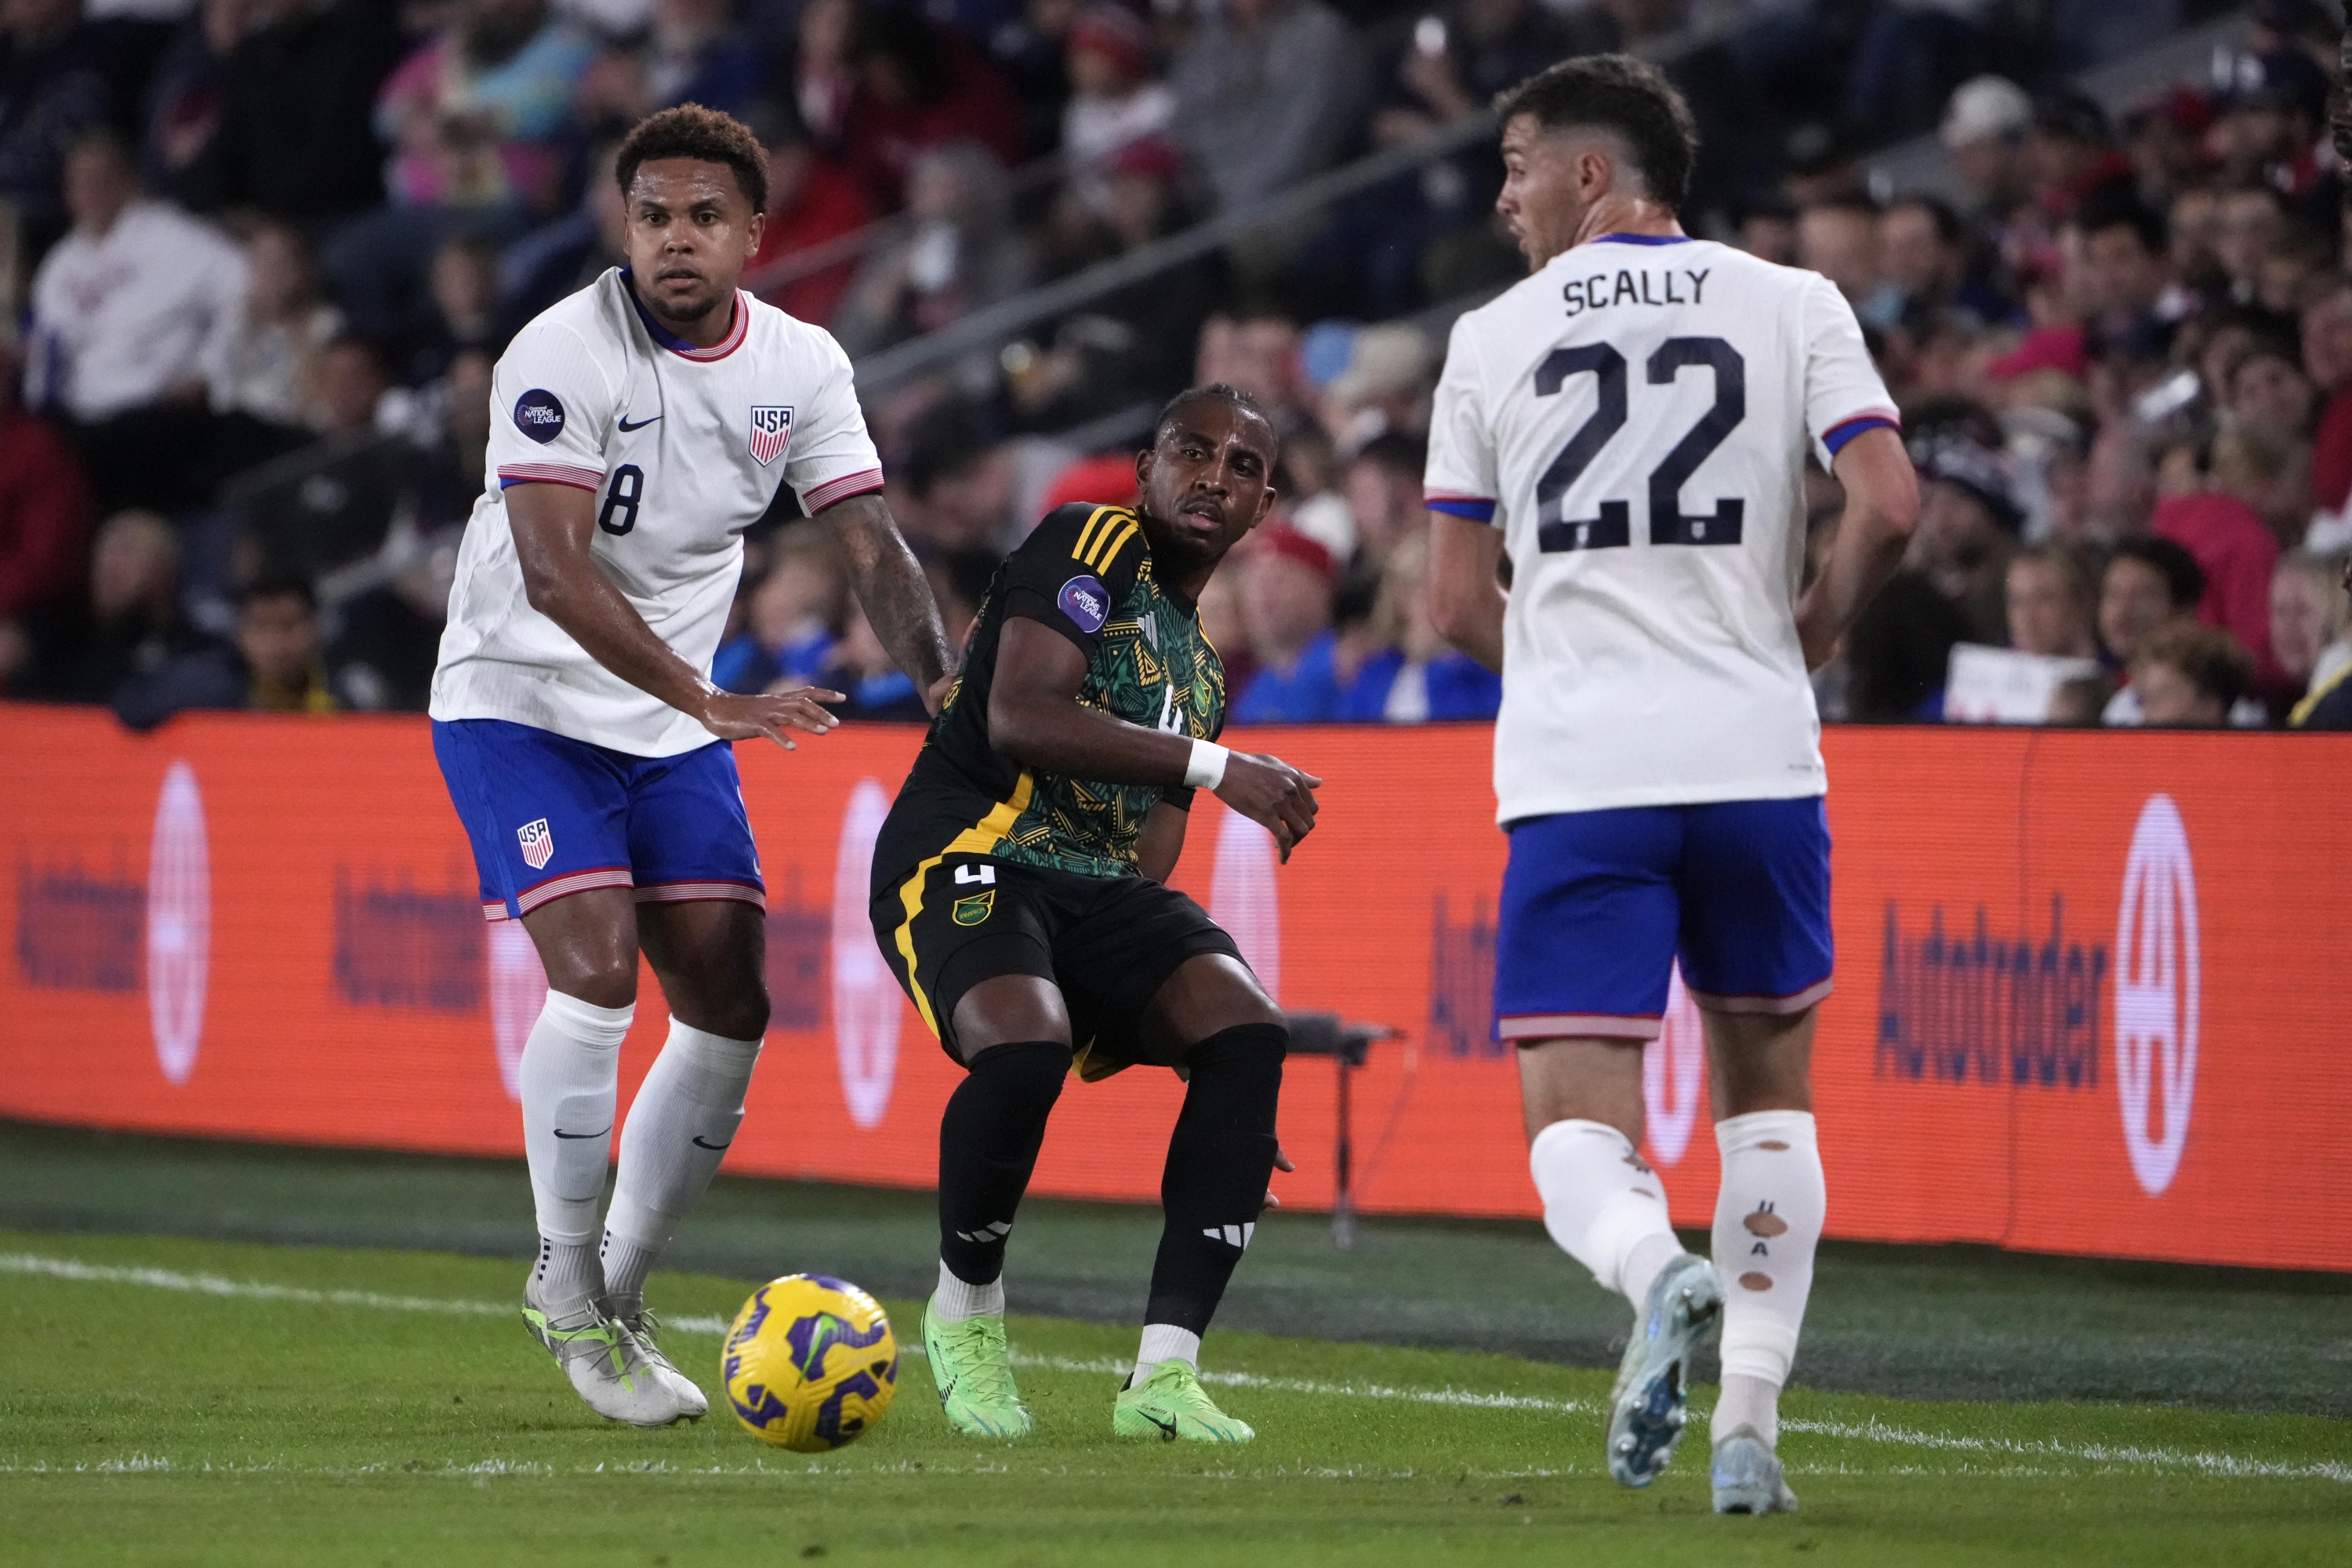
1108	943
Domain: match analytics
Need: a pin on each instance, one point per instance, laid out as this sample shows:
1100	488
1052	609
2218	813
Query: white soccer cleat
1748	1475
1650	1405
609	1368
693	1404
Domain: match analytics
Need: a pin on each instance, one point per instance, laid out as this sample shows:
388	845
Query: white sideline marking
1874	1431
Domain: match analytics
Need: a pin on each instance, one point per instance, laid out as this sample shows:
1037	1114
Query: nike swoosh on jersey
560	1132
626	426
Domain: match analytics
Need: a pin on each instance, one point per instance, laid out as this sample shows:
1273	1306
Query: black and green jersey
1087	572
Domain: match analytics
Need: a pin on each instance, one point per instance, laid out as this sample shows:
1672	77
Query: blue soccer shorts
550	816
1598	904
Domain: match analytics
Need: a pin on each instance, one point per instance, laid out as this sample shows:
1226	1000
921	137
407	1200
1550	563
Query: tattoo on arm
891	586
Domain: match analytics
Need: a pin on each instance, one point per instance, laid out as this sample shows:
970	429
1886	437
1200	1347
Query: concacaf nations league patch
1085	601
540	416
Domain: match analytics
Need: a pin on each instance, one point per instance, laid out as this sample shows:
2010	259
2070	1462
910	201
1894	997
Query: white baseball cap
1983	107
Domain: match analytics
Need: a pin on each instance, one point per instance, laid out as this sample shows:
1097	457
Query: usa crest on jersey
772	432
538	844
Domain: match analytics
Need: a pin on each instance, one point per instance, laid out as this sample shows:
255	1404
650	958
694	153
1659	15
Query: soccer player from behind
637	428
1021	896
1630	425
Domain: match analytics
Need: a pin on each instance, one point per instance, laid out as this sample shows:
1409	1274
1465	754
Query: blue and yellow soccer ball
811	1364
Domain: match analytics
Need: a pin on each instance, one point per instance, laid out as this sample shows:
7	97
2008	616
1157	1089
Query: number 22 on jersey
1611	527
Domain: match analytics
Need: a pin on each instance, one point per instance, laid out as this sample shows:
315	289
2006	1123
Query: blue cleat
1649	1406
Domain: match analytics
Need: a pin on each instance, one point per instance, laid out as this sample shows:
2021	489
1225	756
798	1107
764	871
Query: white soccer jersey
1635	417
684	448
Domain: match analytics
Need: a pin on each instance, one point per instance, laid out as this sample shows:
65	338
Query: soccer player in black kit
1020	895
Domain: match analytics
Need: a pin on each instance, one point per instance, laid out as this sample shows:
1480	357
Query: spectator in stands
2120	273
1264	92
45	518
2270	111
1414	676
2220	527
135	627
128	312
2327	358
876	690
1984	132
477	120
920	88
460	311
2050	602
1967	530
1923	253
2267	387
389	637
1733	161
2070	152
960	252
182	115
1768	229
564	256
1899	651
960	488
1114	99
2149	585
1287	600
2190	678
2193	228
1426	234
1382	483
1133	344
691	53
263	365
811	203
2164	134
1256	351
2252	224
297	138
822	81
1031	48
1387	386
1840	241
57	84
795	614
276	663
2309	617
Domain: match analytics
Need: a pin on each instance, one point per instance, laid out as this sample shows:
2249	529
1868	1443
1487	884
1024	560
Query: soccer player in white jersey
1630	425
637	428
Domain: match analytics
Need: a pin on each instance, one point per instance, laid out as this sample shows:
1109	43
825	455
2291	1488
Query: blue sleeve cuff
1839	435
1477	511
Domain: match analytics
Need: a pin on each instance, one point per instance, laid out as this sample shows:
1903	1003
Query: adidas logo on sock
1231	1235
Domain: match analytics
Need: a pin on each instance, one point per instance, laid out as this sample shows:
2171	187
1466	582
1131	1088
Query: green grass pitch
187	1401
197	1366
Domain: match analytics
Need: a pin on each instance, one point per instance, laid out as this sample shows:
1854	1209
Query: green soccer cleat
1172	1404
973	1373
608	1368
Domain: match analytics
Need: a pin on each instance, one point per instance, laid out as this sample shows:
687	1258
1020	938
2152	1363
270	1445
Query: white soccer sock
1603	1205
1768	1223
1165	1341
686	1114
570	1075
958	1301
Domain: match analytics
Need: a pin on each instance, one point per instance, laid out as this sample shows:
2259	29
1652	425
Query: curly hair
1619	93
690	130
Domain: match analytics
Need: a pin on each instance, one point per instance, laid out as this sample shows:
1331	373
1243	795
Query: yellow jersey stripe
977	840
1106	554
1086	532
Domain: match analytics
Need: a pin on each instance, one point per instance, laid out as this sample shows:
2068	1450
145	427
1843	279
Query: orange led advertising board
2085	1001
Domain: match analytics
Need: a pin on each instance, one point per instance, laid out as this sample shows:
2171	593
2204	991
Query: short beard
692	313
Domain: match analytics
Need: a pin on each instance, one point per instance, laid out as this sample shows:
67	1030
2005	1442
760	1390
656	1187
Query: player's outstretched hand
736	717
1282	1162
1271	794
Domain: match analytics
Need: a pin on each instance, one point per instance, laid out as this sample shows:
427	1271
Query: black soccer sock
1218	1161
989	1139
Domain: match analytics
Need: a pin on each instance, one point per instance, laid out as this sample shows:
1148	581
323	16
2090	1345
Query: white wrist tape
1207	768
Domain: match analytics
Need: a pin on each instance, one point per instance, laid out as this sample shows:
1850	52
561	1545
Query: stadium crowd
260	254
